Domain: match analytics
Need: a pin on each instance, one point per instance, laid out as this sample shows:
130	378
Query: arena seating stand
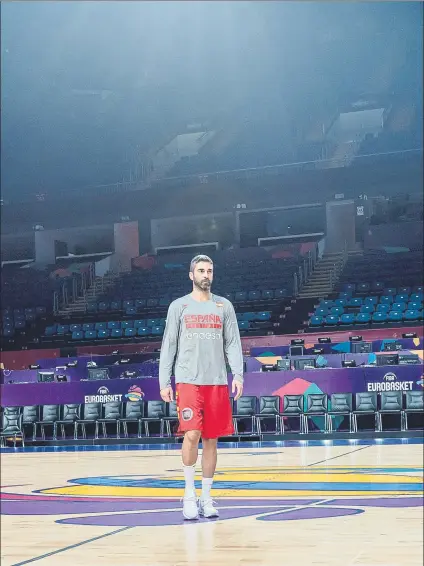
135	308
27	295
376	289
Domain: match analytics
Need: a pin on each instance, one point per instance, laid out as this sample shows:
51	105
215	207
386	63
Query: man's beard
203	285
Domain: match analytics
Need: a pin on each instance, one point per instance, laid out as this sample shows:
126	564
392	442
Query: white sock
206	488
190	490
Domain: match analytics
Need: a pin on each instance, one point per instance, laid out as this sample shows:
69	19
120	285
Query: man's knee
210	443
193	436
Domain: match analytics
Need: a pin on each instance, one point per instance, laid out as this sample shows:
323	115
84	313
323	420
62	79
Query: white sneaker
207	509
190	508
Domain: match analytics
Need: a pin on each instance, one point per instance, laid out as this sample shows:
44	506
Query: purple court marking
45	505
380	502
158	519
310	513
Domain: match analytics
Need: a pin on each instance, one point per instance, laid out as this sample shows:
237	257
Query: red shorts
206	408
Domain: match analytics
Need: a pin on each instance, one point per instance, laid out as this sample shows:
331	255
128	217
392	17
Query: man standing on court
201	333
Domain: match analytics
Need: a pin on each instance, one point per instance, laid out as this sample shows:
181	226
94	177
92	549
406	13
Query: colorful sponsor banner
394	378
347	380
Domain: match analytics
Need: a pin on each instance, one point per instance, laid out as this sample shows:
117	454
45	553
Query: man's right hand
167	394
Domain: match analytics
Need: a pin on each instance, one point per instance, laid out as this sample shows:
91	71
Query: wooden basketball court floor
333	503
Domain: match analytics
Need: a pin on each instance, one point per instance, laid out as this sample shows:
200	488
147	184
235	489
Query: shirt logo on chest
203	321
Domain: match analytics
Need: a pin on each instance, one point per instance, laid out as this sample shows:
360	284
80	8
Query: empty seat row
132	306
141	331
384	308
352	301
110	325
378	286
17	420
366	318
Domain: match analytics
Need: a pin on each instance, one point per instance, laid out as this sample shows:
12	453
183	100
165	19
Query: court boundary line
70	547
340	455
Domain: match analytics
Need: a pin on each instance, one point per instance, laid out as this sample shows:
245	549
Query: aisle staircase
90	295
324	277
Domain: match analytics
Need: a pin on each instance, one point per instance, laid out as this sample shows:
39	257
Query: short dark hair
197	259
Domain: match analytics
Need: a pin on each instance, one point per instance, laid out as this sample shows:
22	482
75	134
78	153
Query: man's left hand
237	389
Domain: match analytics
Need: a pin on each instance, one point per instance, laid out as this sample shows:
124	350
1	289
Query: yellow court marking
116	491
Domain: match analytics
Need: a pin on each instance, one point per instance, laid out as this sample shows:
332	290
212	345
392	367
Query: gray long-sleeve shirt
199	337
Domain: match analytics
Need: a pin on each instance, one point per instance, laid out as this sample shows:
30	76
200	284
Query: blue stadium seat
75	327
157	330
91	307
229	296
151	322
62	329
129	332
355	302
40	311
345	295
340	302
243	324
395	316
399	307
248	316
90	334
363	318
416	297
138	323
77	335
347	318
370	300
128	324
116	333
404	290
86	327
377	286
326	304
317	320
367	308
411	315
152	302
321	312
127	304
240	297
131	311
50	331
115	305
100	326
280	293
254	295
268	294
418	289
143	331
338	311
386	299
141	303
103	334
414	306
331	320
363	288
8	332
263	316
390	291
349	287
379	317
403	298
164	301
103	306
113	324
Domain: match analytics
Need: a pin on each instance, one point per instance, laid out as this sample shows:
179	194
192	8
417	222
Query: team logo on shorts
187	414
